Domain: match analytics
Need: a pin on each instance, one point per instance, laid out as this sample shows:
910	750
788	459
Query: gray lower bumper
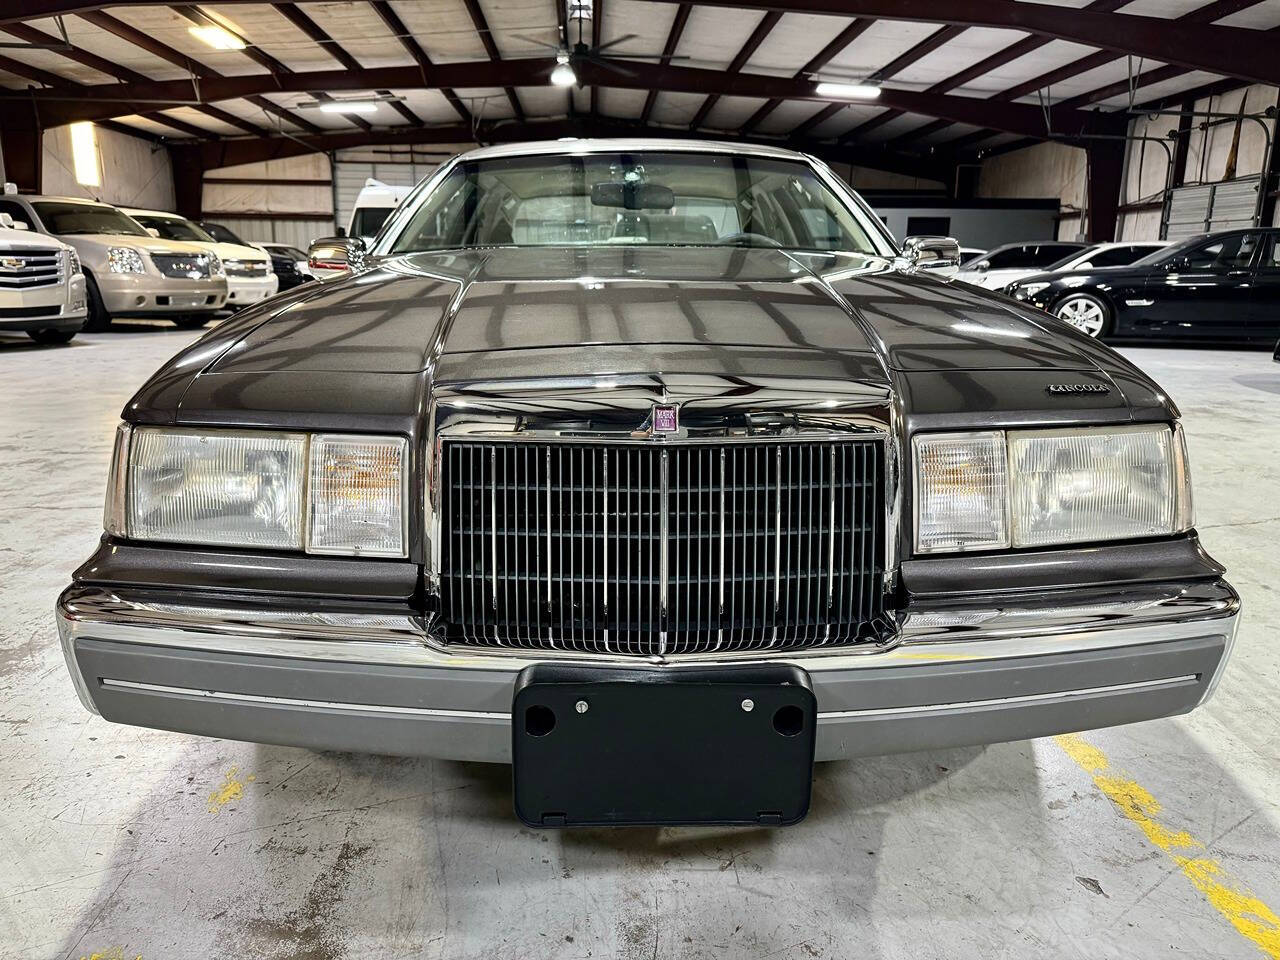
371	684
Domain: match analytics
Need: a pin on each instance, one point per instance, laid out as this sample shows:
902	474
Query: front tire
191	321
1086	313
49	338
97	318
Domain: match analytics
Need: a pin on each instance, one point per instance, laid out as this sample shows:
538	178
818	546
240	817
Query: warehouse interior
992	121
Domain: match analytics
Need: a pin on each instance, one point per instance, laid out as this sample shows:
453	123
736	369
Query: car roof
625	144
153	213
87	201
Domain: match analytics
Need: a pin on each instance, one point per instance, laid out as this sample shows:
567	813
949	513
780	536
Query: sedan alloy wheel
1084	313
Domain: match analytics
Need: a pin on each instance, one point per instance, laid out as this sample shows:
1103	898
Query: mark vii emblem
666	419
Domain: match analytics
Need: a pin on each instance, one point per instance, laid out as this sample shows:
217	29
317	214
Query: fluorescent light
220	38
84	154
563	75
848	91
348	106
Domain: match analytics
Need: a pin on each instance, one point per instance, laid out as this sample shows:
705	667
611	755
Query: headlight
1053	487
230	489
216	269
250	489
125	260
73	263
1026	290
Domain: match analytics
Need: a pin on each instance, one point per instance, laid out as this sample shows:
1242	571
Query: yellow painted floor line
1252	918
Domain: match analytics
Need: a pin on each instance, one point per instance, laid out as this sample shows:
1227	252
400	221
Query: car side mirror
939	256
334	257
154	232
6	221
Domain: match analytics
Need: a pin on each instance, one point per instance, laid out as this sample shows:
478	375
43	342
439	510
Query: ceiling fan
581	52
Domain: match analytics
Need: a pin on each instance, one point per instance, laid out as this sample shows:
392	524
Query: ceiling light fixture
348	106
848	91
220	38
563	75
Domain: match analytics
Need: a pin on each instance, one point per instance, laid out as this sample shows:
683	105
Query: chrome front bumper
1016	667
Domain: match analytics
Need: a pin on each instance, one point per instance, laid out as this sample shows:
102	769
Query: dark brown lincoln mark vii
658	470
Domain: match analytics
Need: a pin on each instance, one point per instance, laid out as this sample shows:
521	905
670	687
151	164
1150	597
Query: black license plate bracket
605	745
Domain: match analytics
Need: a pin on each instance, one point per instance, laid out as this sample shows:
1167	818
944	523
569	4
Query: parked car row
67	264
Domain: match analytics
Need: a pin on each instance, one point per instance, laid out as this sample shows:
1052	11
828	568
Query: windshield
650	198
72	218
172	229
1076	254
222	234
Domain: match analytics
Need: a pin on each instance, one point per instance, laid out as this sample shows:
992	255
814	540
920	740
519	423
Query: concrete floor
117	842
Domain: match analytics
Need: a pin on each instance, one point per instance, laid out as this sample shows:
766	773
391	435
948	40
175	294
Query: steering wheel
752	239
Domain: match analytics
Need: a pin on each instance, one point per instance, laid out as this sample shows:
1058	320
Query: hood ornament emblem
1077	388
665	419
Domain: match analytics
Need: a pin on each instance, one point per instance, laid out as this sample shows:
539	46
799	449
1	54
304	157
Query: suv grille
182	266
26	268
648	548
245	268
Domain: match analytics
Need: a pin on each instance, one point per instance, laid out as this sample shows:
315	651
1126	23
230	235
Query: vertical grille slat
663	548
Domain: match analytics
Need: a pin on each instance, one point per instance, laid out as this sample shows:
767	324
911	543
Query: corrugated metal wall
1211	146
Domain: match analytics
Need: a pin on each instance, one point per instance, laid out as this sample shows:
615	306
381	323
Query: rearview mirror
632	196
939	256
334	257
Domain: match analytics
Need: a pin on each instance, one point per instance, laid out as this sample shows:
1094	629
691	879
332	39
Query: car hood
231	251
28	239
1107	274
148	243
518	314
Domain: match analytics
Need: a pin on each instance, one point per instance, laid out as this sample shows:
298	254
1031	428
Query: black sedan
1221	286
289	264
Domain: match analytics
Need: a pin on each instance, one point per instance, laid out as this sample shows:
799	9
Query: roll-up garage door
1206	207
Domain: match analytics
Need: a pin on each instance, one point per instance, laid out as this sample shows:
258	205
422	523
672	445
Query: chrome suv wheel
1084	312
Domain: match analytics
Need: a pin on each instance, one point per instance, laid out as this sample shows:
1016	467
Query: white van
374	204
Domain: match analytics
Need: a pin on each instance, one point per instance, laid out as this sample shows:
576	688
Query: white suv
250	277
128	272
41	285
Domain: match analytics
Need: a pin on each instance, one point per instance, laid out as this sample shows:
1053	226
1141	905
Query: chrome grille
662	548
182	266
245	268
24	269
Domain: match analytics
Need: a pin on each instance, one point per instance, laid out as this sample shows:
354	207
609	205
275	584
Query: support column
1106	172
20	147
187	162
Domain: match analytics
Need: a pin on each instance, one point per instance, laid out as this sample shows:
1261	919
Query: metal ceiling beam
322	39
1202	15
820	60
491	48
597	28
157	49
668	50
758	35
273	67
233	152
383	9
996	60
102	65
102	101
1231	51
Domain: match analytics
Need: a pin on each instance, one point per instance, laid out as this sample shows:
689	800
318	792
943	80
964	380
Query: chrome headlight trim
1170	444
125	260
